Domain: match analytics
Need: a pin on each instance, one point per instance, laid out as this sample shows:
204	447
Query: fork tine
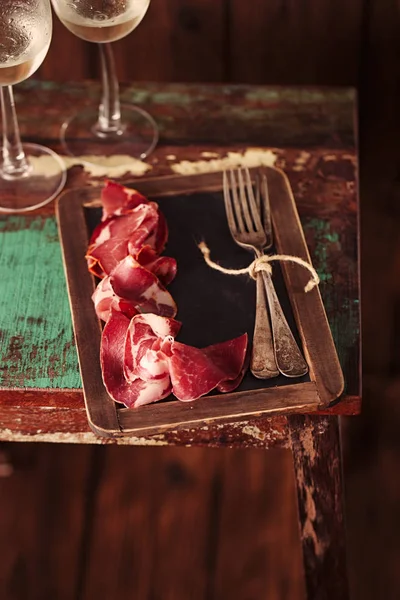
228	206
252	202
236	202
258	192
266	209
244	202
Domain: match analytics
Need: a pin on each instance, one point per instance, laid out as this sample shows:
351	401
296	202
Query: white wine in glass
112	128
30	175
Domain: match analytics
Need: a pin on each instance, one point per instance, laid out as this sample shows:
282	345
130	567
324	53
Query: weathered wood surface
163	523
317	464
311	42
37	348
196	114
252	488
33	538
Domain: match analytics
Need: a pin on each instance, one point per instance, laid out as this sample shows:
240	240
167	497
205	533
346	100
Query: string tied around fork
262	263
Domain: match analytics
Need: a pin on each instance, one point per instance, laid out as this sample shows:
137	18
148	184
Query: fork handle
262	364
289	359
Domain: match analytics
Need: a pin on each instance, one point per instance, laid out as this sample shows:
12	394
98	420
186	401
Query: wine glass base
45	180
137	137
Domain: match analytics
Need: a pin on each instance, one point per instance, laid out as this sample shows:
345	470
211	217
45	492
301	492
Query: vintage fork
262	363
248	231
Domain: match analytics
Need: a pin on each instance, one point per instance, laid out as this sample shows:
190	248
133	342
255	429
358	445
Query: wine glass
30	175
118	129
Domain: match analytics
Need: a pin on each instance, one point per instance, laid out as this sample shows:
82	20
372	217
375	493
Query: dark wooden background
172	524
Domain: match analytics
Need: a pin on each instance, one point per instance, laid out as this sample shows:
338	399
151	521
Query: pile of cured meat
141	360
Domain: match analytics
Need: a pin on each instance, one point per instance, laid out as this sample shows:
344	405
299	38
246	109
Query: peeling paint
254	432
301	161
109	166
35	350
308	527
324	238
77	438
252	157
210	154
96	166
307	441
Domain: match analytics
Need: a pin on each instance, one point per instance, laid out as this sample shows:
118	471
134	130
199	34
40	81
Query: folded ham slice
142	288
143	363
196	372
164	267
117	199
144	353
105	299
136	391
121	235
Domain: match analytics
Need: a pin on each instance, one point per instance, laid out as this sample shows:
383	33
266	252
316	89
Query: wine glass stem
109	121
15	164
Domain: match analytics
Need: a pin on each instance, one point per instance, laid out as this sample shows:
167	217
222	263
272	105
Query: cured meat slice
233	355
161	236
118	200
115	198
122	226
144	351
105	299
117	237
103	258
164	267
137	391
142	363
134	283
196	372
155	296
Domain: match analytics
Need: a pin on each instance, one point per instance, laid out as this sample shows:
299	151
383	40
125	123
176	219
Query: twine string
262	263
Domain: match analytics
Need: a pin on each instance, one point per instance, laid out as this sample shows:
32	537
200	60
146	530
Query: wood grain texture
318	344
297	42
68	57
371	456
252	561
317	465
226	40
36	347
61	417
163	543
195	114
177	41
42	522
64	424
379	183
87	328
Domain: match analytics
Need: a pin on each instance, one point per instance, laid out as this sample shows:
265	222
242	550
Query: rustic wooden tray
212	307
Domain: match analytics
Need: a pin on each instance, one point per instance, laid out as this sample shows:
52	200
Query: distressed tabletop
307	132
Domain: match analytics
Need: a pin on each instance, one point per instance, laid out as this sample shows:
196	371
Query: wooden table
309	133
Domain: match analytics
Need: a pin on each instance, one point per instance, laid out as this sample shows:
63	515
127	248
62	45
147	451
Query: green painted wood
191	113
334	262
36	338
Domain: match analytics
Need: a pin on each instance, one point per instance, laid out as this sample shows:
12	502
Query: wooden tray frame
105	419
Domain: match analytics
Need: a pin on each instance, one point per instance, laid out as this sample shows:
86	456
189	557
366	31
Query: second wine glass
112	128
